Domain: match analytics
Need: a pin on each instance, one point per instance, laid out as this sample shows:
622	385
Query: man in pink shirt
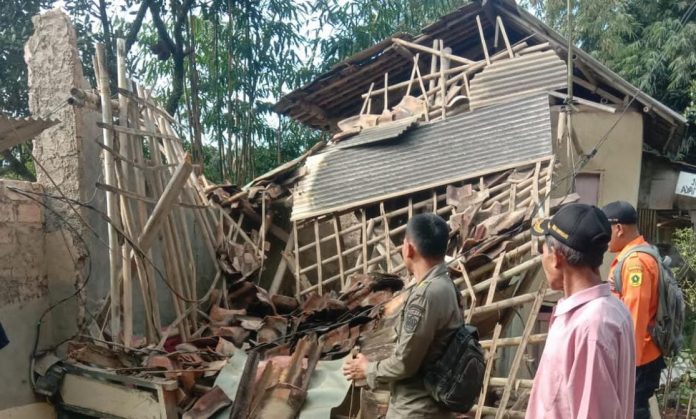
587	369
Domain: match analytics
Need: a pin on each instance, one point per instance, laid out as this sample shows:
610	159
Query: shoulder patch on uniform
414	313
635	277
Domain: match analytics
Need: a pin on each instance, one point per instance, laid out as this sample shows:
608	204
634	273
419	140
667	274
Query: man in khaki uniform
429	319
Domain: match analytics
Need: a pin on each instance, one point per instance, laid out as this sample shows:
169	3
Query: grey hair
572	256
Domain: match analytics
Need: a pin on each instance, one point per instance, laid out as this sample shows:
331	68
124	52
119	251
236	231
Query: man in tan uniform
430	317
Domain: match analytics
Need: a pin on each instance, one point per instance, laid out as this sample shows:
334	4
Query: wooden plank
165	204
489	368
111	199
483	40
109	399
519	354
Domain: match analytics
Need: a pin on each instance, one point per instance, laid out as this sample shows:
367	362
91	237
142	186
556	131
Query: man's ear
557	259
619	230
409	250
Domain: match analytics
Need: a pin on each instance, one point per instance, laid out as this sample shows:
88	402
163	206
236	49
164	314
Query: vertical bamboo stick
494	278
339	250
514	367
298	285
317	245
489	368
387	237
111	209
505	37
443	81
483	40
433	67
364	239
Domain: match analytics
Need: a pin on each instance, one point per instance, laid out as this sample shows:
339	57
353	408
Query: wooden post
111	208
494	278
472	294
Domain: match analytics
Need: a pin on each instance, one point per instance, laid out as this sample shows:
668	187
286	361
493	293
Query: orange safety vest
639	279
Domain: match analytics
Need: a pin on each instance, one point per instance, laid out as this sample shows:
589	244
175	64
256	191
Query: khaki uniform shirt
428	321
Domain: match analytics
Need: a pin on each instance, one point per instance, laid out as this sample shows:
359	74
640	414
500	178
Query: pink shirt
588	366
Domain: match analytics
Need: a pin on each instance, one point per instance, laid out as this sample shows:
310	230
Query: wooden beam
483	40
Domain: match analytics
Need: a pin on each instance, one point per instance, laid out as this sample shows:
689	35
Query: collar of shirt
635	242
566	305
435	271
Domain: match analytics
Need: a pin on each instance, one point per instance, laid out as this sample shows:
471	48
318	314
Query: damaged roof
14	131
336	94
427	156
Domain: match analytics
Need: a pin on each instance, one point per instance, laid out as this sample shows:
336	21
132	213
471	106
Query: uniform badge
635	278
413	317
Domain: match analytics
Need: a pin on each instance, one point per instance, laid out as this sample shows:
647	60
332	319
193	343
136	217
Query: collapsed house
231	301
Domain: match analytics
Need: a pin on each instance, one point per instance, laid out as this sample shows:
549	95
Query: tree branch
161	27
137	24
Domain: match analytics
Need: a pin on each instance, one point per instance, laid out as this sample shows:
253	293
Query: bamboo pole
111	208
494	279
336	226
489	368
364	239
434	51
539	338
483	40
164	204
125	177
320	277
512	375
298	285
505	37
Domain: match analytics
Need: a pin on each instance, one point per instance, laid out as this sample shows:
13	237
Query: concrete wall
24	291
69	158
618	161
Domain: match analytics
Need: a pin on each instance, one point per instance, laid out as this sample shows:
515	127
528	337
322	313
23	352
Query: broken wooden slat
165	204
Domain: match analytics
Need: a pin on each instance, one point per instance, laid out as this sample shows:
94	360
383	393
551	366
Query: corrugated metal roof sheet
467	145
379	133
504	80
15	131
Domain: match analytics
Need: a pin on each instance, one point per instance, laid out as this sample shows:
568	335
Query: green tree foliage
356	25
647	42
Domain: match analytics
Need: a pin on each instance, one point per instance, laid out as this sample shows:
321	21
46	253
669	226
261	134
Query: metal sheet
431	155
379	133
14	131
505	80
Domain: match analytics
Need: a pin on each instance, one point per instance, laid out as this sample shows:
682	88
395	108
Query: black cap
620	212
582	227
